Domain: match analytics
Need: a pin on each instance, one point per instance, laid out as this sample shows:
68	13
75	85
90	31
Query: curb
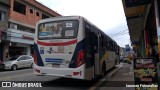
105	78
114	71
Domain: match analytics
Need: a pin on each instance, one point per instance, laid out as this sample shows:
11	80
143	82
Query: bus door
89	50
92	50
95	52
96	55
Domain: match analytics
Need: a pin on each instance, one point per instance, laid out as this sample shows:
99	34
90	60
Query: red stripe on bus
57	44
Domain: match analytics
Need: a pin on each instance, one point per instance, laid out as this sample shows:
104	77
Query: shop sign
145	70
145	73
127	48
3	25
22	36
27	37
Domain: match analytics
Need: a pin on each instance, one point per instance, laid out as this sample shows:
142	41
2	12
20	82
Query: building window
44	16
12	25
19	7
2	14
31	11
37	13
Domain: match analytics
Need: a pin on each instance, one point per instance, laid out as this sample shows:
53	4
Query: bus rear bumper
77	73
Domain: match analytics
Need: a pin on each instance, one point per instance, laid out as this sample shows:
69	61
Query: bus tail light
35	58
80	58
76	73
37	70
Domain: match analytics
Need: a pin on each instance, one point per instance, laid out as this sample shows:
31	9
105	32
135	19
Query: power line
119	33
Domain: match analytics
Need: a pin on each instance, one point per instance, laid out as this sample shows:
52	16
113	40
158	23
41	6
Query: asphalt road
25	74
48	82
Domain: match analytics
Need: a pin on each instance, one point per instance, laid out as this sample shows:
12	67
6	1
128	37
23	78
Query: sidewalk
118	81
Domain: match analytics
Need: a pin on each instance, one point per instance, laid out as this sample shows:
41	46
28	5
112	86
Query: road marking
115	70
15	76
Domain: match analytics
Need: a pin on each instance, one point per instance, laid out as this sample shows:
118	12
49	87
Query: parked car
19	61
126	60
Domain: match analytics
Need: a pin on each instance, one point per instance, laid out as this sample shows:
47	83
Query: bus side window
107	45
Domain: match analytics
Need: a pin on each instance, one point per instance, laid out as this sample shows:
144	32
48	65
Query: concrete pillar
28	50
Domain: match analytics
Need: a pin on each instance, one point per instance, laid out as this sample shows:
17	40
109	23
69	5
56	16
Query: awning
136	12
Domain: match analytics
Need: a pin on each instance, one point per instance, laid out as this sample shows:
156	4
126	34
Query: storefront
21	43
19	49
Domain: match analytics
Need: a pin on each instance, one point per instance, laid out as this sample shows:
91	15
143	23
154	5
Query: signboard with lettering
132	3
127	48
145	70
145	73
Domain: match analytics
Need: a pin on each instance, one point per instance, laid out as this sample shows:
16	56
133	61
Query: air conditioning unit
12	25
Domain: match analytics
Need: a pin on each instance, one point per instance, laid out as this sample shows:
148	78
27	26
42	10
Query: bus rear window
58	29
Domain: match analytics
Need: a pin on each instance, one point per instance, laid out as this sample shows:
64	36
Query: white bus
72	47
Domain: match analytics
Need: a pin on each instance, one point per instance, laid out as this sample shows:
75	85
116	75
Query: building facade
21	26
142	20
4	14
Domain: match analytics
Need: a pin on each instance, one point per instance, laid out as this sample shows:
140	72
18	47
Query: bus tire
32	65
116	62
103	70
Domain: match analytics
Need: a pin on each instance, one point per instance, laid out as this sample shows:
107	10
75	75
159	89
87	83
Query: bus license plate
56	65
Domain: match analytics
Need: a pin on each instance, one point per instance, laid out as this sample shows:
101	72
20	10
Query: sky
108	15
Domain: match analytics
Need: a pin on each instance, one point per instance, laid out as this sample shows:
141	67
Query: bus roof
73	17
59	18
99	29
